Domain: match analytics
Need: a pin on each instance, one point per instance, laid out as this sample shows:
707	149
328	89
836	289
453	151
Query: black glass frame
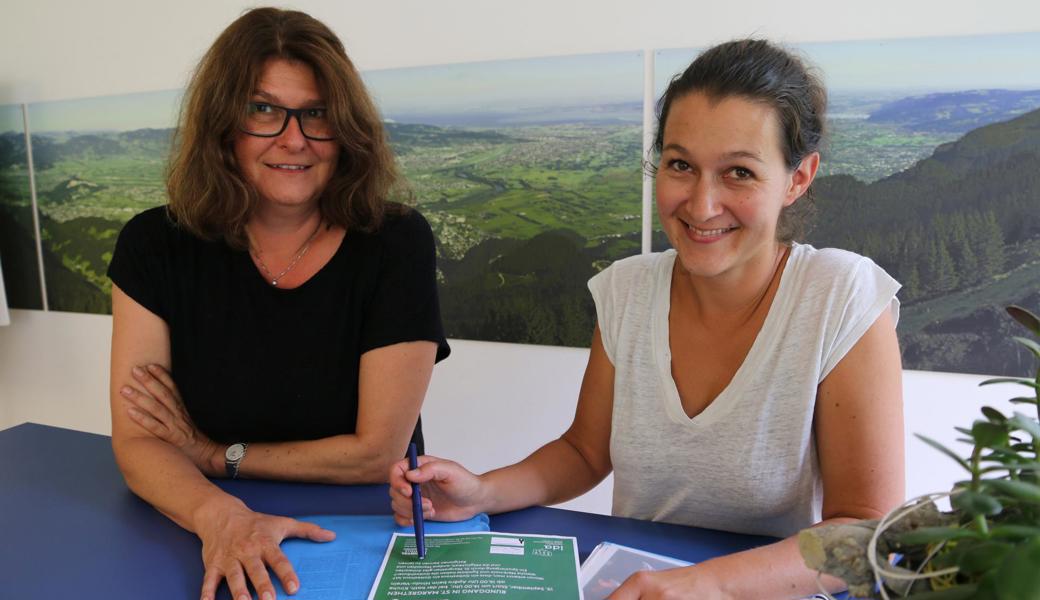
289	113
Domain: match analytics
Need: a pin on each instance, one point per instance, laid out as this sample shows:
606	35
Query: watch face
235	452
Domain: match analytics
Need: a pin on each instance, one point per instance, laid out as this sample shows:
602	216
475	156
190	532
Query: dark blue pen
420	534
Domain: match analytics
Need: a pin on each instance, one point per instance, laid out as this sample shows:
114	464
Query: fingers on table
232	571
257	572
251	569
313	532
283	569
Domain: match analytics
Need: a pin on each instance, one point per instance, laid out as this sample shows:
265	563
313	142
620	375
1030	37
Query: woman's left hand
672	584
160	411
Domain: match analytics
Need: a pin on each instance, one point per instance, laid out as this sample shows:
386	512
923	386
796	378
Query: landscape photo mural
932	169
529	172
17	241
97	162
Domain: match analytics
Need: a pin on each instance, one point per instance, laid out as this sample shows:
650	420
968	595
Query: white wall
490	403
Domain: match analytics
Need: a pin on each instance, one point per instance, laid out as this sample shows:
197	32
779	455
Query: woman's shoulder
403	223
154	220
150	229
830	266
632	280
637	268
828	259
837	273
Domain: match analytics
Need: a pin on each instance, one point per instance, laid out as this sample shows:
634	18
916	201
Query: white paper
610	565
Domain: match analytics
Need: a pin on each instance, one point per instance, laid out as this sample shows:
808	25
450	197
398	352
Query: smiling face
287	170
722	182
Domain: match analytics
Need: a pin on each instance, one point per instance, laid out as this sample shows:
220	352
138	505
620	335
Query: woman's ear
802	177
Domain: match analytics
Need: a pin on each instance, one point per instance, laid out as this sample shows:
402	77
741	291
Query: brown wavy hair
764	72
208	194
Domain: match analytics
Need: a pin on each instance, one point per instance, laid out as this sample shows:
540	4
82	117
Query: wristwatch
233	457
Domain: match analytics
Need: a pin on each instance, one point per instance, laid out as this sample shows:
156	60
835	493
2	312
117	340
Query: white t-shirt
748	462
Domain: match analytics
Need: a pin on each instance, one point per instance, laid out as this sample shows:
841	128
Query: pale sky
510	84
11	118
157	110
1009	61
915	65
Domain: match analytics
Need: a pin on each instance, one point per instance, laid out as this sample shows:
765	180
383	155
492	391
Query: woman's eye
316	113
259	107
677	164
741	173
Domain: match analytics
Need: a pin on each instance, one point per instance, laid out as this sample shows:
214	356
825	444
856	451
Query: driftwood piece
841	549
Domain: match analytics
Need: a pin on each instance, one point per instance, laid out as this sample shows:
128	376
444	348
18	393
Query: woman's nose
702	202
292	136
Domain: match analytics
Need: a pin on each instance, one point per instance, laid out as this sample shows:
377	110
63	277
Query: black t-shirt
257	363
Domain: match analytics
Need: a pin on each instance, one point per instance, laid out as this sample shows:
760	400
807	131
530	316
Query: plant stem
1036	442
976	485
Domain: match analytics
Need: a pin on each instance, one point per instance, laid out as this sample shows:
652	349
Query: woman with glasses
279	317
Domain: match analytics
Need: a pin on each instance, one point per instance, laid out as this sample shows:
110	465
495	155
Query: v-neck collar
729	397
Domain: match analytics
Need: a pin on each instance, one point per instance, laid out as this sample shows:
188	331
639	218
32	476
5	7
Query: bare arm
571	465
562	469
859	436
238	543
391	388
154	469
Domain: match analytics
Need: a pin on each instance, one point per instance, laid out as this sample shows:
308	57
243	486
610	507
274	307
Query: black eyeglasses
270	120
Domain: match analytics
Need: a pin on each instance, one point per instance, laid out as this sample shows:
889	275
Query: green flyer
467	566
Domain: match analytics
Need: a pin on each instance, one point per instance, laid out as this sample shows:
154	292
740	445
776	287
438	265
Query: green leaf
1023	316
1018	577
930	535
1023	400
976	503
944	450
1019	380
989	434
994	415
1020	466
1026	424
1002	456
1030	344
1022	490
984	557
963	430
1015	531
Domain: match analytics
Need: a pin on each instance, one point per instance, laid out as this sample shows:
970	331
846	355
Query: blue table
71	529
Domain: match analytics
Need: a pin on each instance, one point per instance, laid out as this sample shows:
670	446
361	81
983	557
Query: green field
529	180
871	151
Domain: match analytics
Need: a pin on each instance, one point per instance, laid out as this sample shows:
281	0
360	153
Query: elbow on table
127	452
123	451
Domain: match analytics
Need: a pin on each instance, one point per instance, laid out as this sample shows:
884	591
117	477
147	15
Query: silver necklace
258	255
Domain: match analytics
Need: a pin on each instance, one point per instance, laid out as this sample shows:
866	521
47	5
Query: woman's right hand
239	545
160	410
449	491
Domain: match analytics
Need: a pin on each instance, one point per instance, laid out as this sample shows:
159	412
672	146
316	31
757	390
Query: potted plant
986	547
